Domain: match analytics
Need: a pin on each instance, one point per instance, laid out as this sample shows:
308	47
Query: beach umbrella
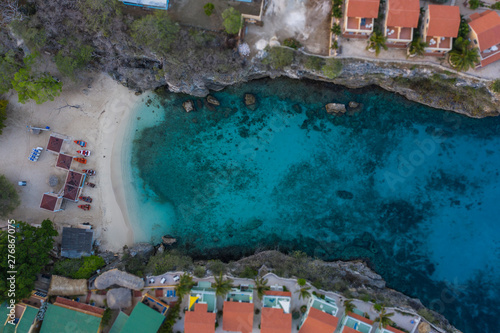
53	181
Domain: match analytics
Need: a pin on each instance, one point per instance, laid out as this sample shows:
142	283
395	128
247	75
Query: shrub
496	5
292	42
3	114
168	261
427	315
199	271
336	30
279	57
106	317
156	32
67	267
170	320
332	68
303	308
313	63
463	30
216	267
301	282
99	13
495	87
77	59
248	273
34	36
474	4
8	67
232	20
209	8
88	267
9	199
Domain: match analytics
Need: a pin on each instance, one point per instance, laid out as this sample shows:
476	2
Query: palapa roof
199	320
444	21
238	317
119	278
55	144
403	13
145	320
64	161
319	322
76	242
51	202
62	286
363	8
119	298
487	28
275	321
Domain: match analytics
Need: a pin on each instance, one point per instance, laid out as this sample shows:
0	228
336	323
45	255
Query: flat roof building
76	242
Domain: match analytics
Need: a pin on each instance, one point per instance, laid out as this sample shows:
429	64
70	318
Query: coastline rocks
249	99
212	100
335	108
353	104
188	106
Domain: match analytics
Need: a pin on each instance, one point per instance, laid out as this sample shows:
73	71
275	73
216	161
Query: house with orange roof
199	320
485	34
275	314
388	329
400	20
354	323
359	17
238	310
320	316
440	26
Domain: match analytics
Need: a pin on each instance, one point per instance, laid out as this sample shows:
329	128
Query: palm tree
260	286
463	57
377	42
222	287
304	292
184	286
384	318
349	307
417	47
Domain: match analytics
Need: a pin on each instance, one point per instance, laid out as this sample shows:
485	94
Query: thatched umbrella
119	298
62	286
116	277
424	328
53	181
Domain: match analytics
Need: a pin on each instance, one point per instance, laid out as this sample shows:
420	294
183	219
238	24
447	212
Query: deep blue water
412	189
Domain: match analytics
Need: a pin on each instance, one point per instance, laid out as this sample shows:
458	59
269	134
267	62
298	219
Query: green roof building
27	319
142	319
63	319
119	323
25	316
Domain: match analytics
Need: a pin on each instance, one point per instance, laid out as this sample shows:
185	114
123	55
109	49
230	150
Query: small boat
89	172
80	159
86	199
90	184
81	143
84	207
84	152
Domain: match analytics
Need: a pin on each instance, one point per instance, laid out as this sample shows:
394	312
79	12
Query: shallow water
412	189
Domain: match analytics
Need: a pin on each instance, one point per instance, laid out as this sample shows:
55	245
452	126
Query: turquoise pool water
412	189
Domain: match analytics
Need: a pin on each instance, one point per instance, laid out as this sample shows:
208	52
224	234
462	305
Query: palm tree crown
417	46
304	292
349	307
222	287
184	286
384	318
260	286
463	57
377	42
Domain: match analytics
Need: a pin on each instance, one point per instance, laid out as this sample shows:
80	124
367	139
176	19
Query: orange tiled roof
403	13
444	21
363	8
278	293
199	320
392	329
487	28
360	318
77	306
275	321
347	329
490	59
238	317
319	322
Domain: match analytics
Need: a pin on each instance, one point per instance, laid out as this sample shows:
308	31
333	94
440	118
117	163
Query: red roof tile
199	320
278	293
275	321
403	13
319	322
347	329
64	161
487	29
444	21
490	59
392	329
238	317
49	202
360	318
363	8
77	306
55	144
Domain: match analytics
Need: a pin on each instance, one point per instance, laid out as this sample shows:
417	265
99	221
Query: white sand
101	121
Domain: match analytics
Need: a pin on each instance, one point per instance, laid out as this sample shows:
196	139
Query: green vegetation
8	68
232	20
377	42
301	282
474	4
78	58
304	292
3	117
332	68
464	29
33	35
168	261
82	268
313	63
9	199
248	273
335	45
106	317
156	32
278	57
199	271
496	5
134	265
222	286
260	286
337	8
336	30
463	56
292	42
349	306
417	46
495	86
171	319
216	267
383	318
184	286
32	247
99	14
427	315
209	8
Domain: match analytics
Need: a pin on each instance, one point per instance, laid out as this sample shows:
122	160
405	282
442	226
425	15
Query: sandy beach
101	119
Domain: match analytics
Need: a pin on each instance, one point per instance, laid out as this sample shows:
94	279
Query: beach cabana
51	202
64	161
73	186
76	242
61	286
119	278
55	144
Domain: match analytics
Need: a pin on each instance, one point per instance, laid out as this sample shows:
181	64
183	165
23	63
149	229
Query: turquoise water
411	189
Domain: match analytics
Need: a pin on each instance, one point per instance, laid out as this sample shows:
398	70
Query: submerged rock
249	99
212	100
353	104
345	195
188	106
335	108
